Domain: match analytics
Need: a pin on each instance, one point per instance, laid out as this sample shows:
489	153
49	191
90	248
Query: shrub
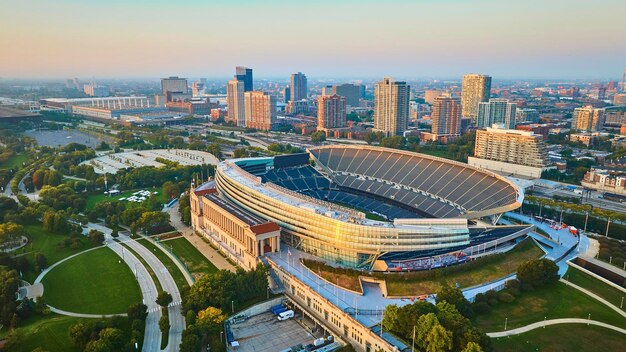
492	302
514	291
482	308
513	283
506	297
536	273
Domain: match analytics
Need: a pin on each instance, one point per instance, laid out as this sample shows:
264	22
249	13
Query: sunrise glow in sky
438	39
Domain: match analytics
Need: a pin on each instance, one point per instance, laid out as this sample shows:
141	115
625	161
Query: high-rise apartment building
391	110
351	92
327	90
236	103
446	116
298	86
496	111
244	74
286	94
588	118
526	115
506	151
475	89
331	112
260	110
174	84
431	94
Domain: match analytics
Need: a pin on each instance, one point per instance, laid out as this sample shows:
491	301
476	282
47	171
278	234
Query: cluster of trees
444	327
184	209
574	214
318	136
62	197
411	143
283	148
111	334
146	217
145	177
205	302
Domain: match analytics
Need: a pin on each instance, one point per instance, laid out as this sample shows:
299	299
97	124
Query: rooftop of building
8	113
257	225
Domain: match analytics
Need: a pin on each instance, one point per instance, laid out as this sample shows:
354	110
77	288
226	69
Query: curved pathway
176	261
541	324
82	315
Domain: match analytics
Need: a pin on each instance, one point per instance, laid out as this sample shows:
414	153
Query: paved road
209	252
177	320
541	324
176	261
152	335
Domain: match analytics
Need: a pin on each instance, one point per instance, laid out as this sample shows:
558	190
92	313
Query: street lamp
506	320
232	306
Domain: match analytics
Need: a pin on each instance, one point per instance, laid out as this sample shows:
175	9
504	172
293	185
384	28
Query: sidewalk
541	324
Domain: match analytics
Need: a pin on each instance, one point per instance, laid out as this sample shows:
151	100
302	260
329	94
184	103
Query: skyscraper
588	119
298	86
331	112
235	102
197	88
475	89
350	91
391	110
498	111
286	94
446	116
174	84
260	110
244	74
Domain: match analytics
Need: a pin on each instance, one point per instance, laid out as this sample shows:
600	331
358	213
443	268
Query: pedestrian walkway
541	324
81	315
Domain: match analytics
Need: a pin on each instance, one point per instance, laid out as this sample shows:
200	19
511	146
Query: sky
534	39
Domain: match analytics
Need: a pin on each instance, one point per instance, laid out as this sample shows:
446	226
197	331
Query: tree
152	219
41	262
536	273
9	283
96	237
438	339
137	311
472	347
115	233
240	153
455	297
424	324
210	319
318	137
164	299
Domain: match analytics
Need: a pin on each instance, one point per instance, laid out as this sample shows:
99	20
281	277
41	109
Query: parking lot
264	333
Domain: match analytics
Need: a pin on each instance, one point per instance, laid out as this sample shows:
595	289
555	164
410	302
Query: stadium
375	208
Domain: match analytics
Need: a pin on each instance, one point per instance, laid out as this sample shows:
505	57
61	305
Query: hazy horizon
533	40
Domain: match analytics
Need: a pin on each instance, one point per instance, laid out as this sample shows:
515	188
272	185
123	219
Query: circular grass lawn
94	282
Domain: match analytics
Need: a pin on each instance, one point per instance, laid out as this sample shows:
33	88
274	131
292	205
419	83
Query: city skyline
149	39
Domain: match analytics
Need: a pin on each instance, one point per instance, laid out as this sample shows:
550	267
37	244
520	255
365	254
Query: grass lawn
553	301
48	332
562	338
594	285
14	162
178	276
50	245
426	282
94	282
195	261
94	199
438	153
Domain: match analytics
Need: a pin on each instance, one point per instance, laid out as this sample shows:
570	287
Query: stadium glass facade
337	236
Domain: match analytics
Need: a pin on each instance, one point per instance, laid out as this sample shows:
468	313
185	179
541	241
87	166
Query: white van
285	315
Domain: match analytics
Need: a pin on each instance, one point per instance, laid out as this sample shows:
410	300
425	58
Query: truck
288	314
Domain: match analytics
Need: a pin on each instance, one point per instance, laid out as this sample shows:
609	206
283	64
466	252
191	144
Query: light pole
588	319
232	306
506	320
221	333
586	218
413	343
621	304
607	228
544	322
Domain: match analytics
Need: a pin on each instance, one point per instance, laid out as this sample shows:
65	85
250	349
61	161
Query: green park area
195	261
469	274
94	199
552	301
562	338
14	162
50	333
95	282
52	245
602	289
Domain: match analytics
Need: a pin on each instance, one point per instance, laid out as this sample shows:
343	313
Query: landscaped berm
427	282
94	282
